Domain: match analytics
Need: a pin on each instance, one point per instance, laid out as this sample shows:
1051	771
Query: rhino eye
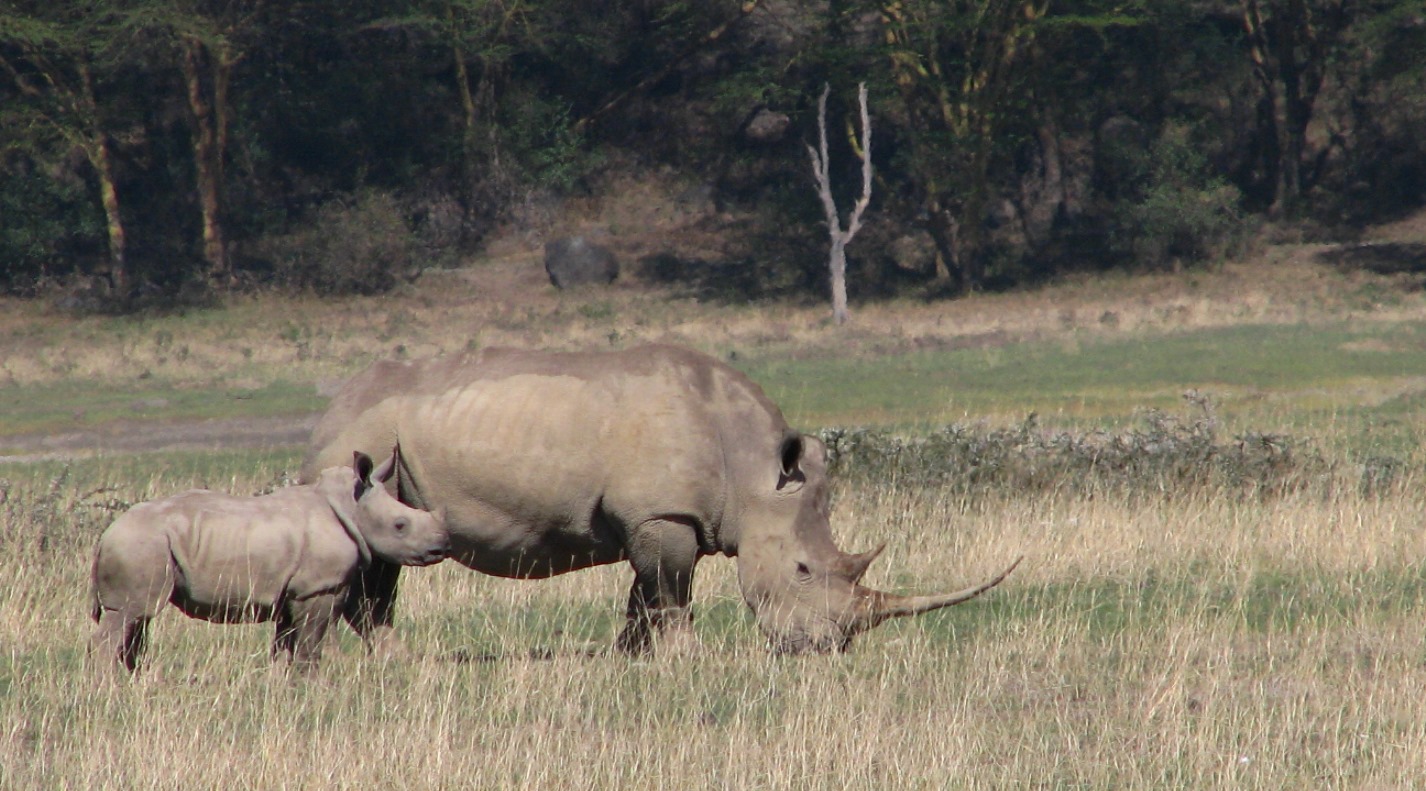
400	525
803	573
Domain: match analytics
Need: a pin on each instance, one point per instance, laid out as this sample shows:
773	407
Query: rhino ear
362	464
790	459
854	567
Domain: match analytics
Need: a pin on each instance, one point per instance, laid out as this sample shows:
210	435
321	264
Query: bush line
1168	455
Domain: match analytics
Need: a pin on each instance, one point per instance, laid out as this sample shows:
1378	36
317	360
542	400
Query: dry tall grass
1194	640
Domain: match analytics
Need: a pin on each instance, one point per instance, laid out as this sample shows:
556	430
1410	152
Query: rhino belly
224	611
232	595
496	543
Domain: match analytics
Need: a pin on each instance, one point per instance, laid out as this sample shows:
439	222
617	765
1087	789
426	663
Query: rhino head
381	525
805	592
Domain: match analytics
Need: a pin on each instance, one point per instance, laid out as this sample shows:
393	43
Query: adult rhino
545	463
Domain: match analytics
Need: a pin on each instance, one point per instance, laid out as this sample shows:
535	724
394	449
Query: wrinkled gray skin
545	463
290	557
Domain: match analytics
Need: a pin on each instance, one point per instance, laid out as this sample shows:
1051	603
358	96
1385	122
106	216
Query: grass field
1155	637
1197	640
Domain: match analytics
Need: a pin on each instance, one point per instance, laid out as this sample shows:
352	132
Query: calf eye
803	572
400	525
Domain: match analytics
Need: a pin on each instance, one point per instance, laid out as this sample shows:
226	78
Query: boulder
767	126
574	261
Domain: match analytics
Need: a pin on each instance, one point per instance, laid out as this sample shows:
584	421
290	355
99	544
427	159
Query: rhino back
367	390
544	461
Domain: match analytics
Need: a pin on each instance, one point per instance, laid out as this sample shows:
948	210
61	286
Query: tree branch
855	223
708	38
821	169
821	172
20	81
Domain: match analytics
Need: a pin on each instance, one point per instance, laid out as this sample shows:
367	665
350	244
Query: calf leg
119	639
371	607
301	625
284	637
136	639
133	580
663	553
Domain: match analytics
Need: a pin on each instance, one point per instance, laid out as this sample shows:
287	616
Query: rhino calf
289	557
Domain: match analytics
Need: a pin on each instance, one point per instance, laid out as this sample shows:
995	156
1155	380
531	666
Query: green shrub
47	226
1177	210
355	245
1167	455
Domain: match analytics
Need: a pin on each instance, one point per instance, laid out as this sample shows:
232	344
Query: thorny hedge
1168	454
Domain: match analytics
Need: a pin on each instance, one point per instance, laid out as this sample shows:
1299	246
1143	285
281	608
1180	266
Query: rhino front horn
873	606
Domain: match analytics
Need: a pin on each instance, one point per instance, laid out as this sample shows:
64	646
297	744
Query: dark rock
574	261
767	126
913	252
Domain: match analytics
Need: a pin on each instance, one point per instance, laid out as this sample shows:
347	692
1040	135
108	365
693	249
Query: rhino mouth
835	639
432	557
802	645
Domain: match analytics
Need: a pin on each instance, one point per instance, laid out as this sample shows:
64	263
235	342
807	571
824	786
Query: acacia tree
956	64
49	54
480	38
204	39
1290	45
699	43
821	172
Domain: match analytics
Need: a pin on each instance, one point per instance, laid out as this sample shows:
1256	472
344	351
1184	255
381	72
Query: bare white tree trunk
837	260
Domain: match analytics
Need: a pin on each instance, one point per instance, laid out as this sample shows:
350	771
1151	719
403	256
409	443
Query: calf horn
873	606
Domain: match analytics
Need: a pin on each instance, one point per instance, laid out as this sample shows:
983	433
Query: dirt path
137	436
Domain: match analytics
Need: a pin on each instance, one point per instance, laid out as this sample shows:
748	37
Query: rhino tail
96	610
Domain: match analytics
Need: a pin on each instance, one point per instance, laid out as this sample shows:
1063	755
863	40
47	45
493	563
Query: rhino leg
120	638
371	606
134	578
663	553
301	625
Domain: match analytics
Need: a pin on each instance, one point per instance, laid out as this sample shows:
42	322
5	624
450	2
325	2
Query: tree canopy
163	143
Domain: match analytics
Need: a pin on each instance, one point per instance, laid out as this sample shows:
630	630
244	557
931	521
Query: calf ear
362	464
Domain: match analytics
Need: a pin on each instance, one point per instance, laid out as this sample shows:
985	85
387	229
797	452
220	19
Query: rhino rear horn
873	606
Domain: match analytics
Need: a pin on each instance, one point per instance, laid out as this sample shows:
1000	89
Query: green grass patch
1251	372
1266	601
193	468
74	405
1359	381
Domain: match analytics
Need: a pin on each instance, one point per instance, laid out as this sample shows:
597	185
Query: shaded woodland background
153	151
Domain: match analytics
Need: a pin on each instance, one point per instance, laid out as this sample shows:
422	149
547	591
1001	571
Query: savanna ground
1257	626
